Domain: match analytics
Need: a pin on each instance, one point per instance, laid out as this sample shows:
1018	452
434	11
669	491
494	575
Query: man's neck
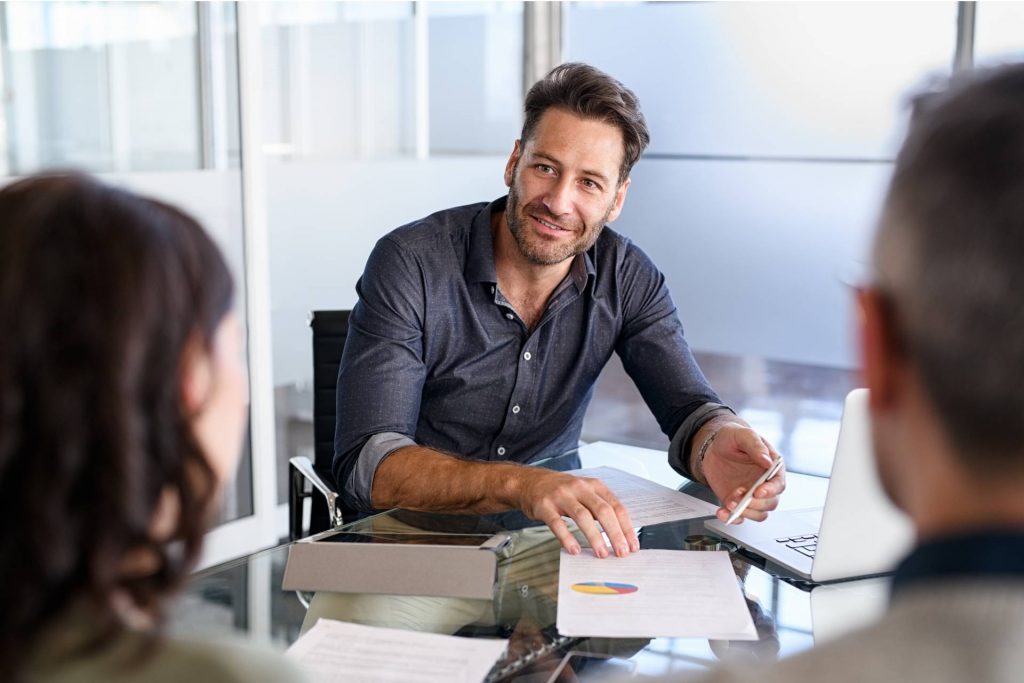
971	507
949	497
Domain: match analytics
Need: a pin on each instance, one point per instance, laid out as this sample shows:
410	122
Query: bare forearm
417	478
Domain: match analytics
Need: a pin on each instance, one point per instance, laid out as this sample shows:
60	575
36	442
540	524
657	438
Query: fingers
777	484
759	508
613	518
755	446
764	500
594	508
754	515
585	521
562	533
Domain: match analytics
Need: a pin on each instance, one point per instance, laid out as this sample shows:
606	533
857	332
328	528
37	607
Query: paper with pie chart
652	594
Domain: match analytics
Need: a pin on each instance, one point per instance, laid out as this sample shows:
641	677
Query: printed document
652	594
648	502
336	651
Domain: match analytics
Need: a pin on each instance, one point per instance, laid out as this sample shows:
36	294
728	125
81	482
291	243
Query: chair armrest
304	466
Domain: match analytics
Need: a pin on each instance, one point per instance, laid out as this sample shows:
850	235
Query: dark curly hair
100	293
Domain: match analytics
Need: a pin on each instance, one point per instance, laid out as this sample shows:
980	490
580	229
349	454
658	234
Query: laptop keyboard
805	545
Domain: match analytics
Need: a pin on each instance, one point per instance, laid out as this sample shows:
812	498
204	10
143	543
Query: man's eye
544	168
589	184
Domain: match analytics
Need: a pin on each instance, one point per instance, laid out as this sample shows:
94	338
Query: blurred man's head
944	321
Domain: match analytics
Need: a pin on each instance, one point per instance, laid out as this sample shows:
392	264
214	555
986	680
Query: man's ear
513	159
881	352
196	376
620	199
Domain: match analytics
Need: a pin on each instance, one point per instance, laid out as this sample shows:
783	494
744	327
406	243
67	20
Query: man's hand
417	478
546	496
734	461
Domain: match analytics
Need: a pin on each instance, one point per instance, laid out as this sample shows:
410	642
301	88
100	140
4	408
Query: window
476	76
793	80
998	33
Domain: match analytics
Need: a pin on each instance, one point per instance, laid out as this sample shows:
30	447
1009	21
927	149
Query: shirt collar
583	269
480	259
989	553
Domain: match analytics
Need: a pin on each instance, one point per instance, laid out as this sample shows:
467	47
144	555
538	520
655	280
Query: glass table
245	595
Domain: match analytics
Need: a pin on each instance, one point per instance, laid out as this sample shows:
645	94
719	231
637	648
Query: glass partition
144	94
998	33
476	72
791	80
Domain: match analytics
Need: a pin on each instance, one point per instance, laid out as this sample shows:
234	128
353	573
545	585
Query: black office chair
330	329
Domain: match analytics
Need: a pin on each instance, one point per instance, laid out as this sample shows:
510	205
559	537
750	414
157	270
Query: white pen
749	496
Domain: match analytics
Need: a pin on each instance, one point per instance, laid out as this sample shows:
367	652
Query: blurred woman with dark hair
122	408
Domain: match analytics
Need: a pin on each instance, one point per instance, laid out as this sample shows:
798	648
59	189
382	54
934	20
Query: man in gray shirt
481	330
942	340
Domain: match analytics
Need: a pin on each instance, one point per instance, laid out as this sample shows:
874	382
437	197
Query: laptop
858	533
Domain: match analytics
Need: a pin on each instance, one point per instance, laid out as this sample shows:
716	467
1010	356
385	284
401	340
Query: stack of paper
648	502
650	594
338	652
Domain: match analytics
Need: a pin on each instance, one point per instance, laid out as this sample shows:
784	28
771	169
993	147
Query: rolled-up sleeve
657	357
381	375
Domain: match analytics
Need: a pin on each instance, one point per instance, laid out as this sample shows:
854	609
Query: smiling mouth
549	225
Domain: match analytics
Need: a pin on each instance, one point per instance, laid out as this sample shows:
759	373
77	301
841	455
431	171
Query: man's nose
558	199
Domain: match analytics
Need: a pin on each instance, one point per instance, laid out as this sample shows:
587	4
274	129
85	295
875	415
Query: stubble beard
539	251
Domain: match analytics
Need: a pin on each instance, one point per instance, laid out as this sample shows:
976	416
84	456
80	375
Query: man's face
563	186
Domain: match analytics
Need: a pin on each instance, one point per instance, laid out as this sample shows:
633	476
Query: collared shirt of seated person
481	330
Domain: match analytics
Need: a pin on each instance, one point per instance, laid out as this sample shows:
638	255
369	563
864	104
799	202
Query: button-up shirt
436	356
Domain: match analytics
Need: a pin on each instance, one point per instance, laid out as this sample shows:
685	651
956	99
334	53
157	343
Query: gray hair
949	254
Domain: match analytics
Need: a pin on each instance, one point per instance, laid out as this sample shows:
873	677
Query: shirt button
509	316
492	290
527	355
515	410
501	450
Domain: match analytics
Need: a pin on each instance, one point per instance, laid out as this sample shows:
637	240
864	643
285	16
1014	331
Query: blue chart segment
604	588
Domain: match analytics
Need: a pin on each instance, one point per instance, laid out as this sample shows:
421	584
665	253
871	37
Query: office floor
796	407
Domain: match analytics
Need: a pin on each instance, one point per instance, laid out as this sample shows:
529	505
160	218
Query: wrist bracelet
703	452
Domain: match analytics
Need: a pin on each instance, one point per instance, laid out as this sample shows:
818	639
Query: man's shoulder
949	639
616	256
861	655
612	244
454	224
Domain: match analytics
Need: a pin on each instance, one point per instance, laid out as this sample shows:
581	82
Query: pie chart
604	588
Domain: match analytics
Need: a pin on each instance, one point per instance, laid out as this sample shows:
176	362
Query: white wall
752	251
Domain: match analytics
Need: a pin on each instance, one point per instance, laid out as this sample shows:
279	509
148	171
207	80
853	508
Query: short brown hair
590	93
